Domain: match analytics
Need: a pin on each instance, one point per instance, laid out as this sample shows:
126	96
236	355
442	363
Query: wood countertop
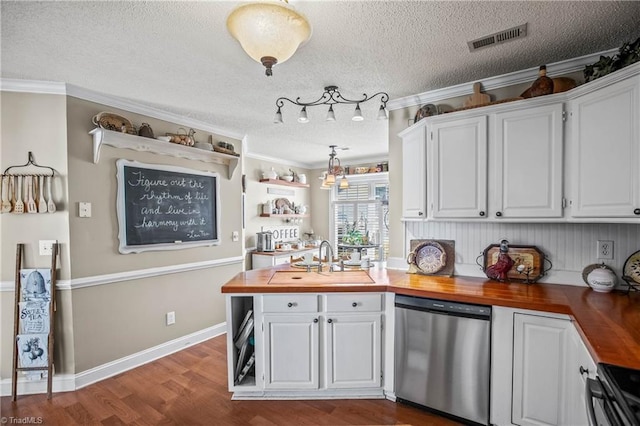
608	322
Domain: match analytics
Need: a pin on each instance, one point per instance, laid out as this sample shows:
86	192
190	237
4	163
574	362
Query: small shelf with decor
284	183
139	143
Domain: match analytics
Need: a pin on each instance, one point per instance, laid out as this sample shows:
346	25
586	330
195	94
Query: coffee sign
283	233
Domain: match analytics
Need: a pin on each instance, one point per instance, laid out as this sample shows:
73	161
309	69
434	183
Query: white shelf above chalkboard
139	143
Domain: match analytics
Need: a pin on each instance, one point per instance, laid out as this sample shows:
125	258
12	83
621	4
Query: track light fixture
331	97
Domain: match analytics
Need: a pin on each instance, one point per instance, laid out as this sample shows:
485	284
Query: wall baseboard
71	382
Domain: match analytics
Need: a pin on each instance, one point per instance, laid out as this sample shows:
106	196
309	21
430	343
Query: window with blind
360	216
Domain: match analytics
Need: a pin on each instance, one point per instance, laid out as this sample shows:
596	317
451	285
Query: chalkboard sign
166	207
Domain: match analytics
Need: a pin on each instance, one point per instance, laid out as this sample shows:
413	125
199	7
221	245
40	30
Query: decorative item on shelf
560	84
599	277
521	263
477	98
203	145
631	271
483	105
146	131
269	32
431	257
628	54
222	147
114	122
334	169
183	137
270	174
543	84
302	178
424	111
331	97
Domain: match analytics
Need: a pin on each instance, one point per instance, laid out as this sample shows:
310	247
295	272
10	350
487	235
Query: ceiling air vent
497	38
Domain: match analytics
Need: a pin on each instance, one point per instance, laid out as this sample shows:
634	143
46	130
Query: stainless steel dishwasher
442	356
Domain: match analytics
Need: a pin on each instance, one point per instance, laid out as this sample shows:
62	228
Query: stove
616	393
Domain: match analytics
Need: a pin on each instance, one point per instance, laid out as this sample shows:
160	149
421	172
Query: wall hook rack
30	162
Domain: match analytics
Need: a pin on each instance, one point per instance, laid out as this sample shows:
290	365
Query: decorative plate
425	111
429	257
632	267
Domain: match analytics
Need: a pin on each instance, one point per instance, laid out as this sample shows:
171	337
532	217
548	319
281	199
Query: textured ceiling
178	56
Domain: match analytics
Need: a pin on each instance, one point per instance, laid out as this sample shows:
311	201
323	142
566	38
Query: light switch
84	209
235	236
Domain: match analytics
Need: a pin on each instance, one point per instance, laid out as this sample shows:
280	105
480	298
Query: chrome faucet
329	255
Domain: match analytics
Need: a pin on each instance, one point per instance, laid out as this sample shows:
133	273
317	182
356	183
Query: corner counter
608	322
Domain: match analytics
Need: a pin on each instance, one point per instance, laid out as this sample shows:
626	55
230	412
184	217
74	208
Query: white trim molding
134	275
71	382
497	82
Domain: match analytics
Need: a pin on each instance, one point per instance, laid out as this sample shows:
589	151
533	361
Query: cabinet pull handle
636	212
290	304
481	213
498	214
316	320
584	370
329	320
354	304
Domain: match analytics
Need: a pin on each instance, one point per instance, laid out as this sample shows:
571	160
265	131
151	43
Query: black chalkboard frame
121	208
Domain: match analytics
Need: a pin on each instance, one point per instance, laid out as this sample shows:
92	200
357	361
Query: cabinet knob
329	320
636	212
316	320
354	304
420	213
584	370
498	214
290	304
481	213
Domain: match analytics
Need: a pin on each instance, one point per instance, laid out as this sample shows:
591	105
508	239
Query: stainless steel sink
320	278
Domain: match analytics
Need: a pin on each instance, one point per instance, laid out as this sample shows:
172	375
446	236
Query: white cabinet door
527	152
458	168
539	360
580	367
606	152
353	351
414	184
291	351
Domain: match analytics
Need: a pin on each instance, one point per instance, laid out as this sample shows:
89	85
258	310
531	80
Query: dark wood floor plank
189	388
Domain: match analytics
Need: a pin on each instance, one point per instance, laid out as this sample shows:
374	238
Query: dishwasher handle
443	307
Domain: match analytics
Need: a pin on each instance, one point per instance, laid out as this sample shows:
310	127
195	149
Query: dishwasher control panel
443	306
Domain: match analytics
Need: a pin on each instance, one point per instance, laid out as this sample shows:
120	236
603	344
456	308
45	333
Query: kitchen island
321	340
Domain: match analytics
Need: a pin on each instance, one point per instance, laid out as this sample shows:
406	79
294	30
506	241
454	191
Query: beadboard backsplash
569	246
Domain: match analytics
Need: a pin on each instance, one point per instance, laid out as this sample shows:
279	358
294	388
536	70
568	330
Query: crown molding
58	88
33	86
282	161
518	77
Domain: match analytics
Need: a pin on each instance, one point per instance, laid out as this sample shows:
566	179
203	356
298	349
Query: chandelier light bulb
382	113
331	179
278	118
357	115
331	116
344	183
302	118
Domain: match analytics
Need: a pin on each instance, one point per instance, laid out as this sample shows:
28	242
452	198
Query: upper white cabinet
505	163
527	150
414	184
606	151
458	168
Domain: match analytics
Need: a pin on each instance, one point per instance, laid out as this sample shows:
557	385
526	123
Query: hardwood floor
190	388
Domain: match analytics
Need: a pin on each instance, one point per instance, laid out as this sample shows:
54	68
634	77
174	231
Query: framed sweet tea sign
161	207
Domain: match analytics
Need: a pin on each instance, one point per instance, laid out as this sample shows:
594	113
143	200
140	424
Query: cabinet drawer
354	302
290	303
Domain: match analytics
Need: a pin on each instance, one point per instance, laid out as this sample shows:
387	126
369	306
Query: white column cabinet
539	359
606	151
527	150
414	189
458	168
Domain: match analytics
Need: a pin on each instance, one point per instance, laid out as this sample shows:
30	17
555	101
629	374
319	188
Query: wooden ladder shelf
51	300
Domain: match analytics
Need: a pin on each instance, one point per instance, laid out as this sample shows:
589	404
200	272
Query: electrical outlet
605	249
235	236
84	209
171	318
46	247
